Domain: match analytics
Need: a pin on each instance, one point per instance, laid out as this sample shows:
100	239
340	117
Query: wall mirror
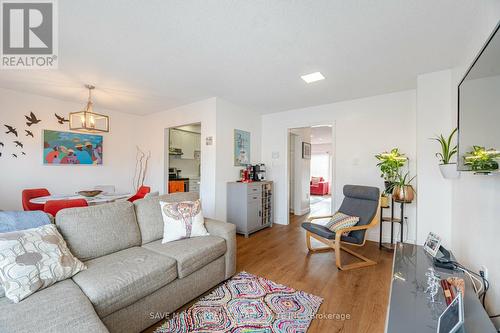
479	105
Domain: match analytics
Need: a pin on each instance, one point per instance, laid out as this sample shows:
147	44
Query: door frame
166	155
334	188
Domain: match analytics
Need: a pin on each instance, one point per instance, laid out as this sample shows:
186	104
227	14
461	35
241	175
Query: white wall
362	127
229	118
434	117
302	171
29	172
476	228
219	119
154	126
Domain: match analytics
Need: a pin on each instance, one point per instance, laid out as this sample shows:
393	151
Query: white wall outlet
485	270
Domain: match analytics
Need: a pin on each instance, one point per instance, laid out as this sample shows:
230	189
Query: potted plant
403	190
389	165
384	200
447	167
482	160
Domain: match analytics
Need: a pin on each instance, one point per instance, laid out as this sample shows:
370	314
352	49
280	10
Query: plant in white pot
447	167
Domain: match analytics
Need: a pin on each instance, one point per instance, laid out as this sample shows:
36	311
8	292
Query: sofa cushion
182	220
34	259
60	308
95	231
149	215
191	254
119	279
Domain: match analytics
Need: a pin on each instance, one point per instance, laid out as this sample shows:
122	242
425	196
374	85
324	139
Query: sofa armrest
228	232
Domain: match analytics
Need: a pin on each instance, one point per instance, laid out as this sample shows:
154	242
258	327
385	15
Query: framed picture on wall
241	147
68	148
306	150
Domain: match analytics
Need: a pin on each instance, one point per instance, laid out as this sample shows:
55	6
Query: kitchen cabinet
194	185
188	142
175	138
250	206
175	186
188	145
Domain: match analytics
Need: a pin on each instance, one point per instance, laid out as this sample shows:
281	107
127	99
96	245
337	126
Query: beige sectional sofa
132	279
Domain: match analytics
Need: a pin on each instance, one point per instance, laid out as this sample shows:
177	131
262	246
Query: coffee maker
258	173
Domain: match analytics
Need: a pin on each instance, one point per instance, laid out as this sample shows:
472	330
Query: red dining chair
53	206
33	193
141	193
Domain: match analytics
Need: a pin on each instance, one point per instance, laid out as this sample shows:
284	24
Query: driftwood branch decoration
141	167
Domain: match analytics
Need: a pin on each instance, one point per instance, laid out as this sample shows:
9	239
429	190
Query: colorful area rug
247	303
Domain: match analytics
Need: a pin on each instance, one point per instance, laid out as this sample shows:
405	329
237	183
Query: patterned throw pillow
340	220
182	220
33	259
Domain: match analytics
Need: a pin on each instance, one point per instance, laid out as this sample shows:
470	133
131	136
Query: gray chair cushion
96	231
117	280
327	233
149	214
60	308
191	254
360	201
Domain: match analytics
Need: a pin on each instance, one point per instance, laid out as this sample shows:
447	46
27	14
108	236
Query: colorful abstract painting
241	147
71	148
247	304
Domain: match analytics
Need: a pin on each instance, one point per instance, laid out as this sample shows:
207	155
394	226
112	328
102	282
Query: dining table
95	200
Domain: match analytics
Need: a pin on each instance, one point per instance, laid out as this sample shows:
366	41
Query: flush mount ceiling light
86	120
313	77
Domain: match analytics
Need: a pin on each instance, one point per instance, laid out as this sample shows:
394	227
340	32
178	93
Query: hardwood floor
280	254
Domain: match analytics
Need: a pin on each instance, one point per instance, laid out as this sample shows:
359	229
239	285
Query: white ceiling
148	56
321	135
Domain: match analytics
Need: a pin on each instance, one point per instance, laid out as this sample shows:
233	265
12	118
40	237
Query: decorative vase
449	171
384	201
404	194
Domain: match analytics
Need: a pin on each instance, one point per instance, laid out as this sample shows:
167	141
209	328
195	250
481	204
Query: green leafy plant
389	165
481	159
404	180
447	150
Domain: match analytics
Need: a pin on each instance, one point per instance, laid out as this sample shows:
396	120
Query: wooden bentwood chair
361	201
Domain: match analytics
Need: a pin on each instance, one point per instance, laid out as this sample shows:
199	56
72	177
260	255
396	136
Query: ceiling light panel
313	77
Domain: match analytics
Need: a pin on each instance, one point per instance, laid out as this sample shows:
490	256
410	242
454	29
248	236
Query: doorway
310	170
183	158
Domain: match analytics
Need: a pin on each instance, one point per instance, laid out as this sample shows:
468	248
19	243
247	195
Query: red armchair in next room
319	186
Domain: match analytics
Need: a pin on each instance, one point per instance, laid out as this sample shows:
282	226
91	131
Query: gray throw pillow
34	259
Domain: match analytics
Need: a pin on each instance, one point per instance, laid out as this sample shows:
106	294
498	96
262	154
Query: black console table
409	308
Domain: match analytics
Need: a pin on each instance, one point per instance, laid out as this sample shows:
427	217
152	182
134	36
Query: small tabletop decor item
90	194
433	284
482	160
432	244
447	167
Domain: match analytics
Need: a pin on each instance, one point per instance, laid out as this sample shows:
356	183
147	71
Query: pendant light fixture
87	120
